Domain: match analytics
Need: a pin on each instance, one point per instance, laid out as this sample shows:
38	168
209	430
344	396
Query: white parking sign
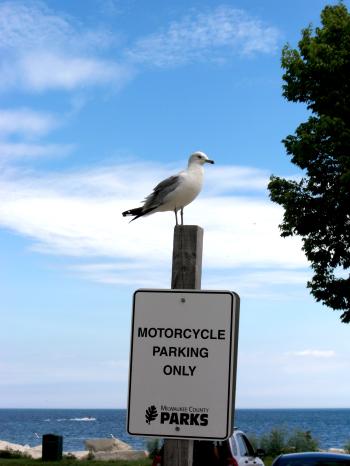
183	363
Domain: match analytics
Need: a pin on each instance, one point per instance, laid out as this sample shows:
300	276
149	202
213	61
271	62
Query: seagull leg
175	211
182	216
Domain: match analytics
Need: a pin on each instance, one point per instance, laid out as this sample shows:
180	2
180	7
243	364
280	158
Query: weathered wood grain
187	257
186	274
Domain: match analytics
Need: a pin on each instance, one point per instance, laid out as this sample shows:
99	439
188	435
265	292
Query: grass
144	462
268	460
69	462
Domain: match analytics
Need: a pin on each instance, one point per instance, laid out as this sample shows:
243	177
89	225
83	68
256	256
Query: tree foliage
317	207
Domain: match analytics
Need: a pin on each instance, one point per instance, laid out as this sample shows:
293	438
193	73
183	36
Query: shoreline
36	451
102	449
329	427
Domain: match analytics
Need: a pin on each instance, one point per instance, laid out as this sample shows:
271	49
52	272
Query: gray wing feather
156	198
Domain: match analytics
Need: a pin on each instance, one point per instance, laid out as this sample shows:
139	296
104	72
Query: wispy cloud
41	50
21	133
64	369
33	25
205	36
305	381
233	178
313	353
25	122
276	283
79	215
313	362
9	151
42	71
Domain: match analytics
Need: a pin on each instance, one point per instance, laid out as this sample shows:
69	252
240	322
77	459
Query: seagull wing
160	192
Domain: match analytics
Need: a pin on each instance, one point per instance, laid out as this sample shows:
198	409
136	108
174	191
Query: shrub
273	443
254	440
347	446
153	447
12	454
302	441
277	442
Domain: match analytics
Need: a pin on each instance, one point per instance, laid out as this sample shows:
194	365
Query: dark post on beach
186	274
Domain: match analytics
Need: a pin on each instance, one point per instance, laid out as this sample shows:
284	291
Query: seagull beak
210	161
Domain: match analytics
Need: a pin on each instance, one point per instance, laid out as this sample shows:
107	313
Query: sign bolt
183	300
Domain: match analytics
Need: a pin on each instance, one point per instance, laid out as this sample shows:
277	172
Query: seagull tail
136	213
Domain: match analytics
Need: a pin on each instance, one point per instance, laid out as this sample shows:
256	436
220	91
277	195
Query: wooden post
186	274
187	257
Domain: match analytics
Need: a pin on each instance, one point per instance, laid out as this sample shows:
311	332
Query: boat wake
83	419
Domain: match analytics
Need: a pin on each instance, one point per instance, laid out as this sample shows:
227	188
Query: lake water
26	426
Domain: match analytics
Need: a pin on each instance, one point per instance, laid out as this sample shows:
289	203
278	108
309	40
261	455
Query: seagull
175	192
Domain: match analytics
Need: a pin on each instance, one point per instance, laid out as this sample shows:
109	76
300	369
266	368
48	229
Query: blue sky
100	100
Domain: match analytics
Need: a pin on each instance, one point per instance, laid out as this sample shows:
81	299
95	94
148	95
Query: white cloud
32	25
315	362
79	215
63	370
19	128
313	353
260	282
233	178
15	150
264	284
299	382
41	71
205	36
25	122
41	50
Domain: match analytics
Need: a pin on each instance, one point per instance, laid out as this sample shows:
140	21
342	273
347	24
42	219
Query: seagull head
199	158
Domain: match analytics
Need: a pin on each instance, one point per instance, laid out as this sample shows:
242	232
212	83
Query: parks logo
151	414
187	416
